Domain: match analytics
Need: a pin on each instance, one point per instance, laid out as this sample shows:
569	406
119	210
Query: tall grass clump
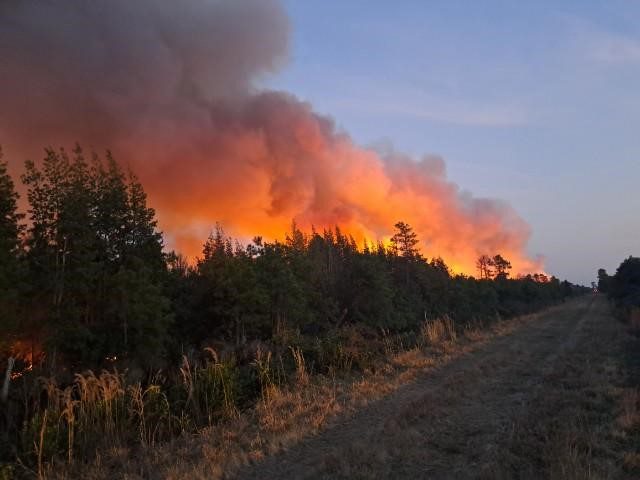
65	422
210	388
435	332
267	376
302	376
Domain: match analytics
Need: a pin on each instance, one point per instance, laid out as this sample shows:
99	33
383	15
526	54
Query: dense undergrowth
63	425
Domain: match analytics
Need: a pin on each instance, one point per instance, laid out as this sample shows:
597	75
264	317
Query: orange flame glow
26	352
170	88
278	161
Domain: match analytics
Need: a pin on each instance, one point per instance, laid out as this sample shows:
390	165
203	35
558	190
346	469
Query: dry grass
434	332
302	376
627	422
547	412
570	430
100	415
287	414
93	417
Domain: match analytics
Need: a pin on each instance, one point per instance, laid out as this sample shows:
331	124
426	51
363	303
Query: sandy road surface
489	414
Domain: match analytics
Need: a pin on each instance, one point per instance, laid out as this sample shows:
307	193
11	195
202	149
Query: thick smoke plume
170	88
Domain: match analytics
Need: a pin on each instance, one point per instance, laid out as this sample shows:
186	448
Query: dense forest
87	284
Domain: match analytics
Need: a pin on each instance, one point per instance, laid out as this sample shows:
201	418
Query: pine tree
286	302
48	192
95	258
228	298
10	227
10	231
405	241
501	265
483	264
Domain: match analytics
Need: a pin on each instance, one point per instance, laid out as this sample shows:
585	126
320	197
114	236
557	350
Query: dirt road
532	404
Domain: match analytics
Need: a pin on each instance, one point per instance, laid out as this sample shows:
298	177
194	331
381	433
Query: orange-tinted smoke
168	87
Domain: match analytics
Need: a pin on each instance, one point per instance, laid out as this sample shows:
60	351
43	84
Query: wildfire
25	352
320	179
16	375
209	146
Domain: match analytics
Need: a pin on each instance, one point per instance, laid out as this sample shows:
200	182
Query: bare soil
539	402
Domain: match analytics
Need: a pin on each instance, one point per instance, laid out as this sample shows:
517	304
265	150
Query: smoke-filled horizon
169	87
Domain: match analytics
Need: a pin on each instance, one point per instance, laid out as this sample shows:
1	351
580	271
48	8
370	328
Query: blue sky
536	103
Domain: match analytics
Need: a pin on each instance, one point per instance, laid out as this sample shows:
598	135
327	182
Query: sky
535	103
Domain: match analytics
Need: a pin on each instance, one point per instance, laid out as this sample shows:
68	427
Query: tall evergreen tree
286	300
95	258
229	301
10	227
10	230
405	241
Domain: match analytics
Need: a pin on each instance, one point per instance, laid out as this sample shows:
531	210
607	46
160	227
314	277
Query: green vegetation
87	287
623	289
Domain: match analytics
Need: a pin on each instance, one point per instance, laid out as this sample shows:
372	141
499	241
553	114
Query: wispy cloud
361	96
450	111
604	46
615	49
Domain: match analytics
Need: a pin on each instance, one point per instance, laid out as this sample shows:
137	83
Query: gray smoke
99	70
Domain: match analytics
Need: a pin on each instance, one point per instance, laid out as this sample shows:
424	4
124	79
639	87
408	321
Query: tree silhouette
10	230
97	283
10	227
604	280
483	264
501	265
405	240
95	258
625	285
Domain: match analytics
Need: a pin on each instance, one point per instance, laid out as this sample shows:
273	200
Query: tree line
623	289
84	275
